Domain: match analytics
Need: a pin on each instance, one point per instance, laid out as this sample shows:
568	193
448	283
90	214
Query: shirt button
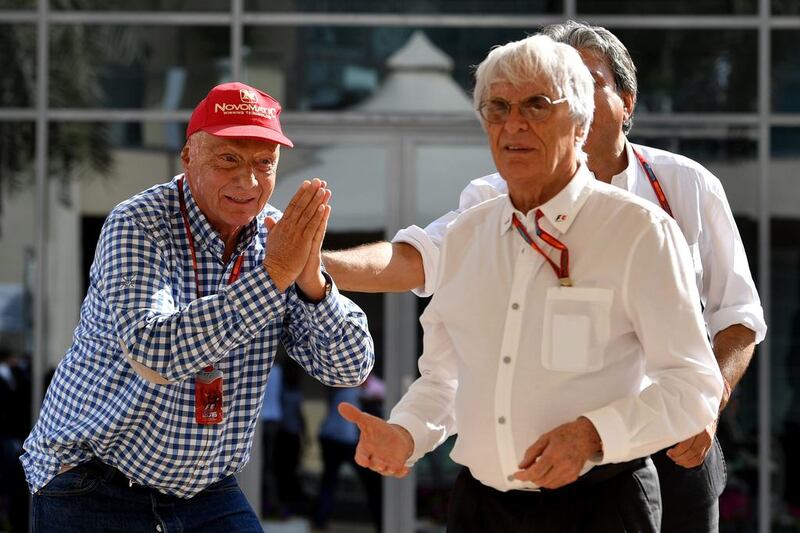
510	477
515	306
502	420
506	359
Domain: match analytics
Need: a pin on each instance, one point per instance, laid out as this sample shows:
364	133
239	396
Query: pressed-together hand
692	452
296	237
557	457
382	447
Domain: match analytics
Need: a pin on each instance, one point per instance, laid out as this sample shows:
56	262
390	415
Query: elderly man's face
610	107
231	179
524	150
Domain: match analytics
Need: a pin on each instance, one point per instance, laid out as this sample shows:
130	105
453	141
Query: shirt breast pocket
576	328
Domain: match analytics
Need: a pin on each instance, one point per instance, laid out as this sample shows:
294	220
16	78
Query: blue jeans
96	497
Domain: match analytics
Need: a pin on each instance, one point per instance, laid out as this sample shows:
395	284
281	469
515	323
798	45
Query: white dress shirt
509	355
701	209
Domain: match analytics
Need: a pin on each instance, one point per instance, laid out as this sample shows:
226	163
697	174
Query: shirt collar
560	210
206	236
627	178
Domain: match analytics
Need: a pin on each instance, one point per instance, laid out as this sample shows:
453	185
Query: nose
515	121
246	177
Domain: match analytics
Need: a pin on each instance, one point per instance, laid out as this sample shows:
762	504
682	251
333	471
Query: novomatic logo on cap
238	110
248	95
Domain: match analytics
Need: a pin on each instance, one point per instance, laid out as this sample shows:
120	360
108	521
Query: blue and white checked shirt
142	296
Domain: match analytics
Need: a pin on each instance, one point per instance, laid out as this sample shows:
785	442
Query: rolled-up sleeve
730	293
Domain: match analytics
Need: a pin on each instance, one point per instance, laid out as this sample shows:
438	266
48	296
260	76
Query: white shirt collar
561	209
627	178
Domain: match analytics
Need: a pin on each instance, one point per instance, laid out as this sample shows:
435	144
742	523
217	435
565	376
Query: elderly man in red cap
194	283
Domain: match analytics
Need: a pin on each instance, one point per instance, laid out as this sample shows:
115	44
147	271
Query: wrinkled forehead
507	90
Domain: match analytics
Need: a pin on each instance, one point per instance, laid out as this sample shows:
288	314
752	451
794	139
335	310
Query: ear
628	104
185	155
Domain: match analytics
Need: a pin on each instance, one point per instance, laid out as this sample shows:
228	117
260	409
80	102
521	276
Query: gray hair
528	60
599	40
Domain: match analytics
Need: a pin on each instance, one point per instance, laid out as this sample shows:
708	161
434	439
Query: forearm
329	339
733	349
376	267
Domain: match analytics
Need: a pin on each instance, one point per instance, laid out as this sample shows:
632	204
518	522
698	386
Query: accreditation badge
208	396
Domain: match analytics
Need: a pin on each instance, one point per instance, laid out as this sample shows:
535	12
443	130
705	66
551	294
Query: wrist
281	280
593	440
406	438
316	289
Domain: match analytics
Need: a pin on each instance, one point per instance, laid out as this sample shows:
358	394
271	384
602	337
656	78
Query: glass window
785	318
17	4
136	67
18	65
142	5
785	7
668	7
785	72
323	68
442	172
694	70
18	226
480	7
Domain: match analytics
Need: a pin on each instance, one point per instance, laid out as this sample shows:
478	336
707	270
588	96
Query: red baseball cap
238	110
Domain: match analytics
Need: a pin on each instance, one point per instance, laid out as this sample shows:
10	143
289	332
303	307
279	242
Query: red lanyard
237	266
562	268
651	177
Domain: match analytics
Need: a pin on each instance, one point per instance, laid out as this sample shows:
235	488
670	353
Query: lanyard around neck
651	177
237	266
561	268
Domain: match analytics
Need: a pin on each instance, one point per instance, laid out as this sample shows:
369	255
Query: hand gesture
290	239
692	452
557	457
382	447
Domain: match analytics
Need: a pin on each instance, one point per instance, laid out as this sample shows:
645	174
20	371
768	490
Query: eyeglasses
535	108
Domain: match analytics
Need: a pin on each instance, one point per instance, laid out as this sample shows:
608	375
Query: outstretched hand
382	447
292	239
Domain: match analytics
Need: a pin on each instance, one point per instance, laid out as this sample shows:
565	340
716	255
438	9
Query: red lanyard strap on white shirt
651	177
562	267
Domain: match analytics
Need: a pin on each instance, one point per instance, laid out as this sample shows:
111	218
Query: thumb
351	413
269	222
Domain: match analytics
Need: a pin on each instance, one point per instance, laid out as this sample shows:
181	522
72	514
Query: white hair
540	59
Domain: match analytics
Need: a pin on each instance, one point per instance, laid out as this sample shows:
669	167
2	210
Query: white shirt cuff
416	237
613	435
749	315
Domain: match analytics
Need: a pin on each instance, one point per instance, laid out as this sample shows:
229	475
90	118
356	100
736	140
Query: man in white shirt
692	473
548	350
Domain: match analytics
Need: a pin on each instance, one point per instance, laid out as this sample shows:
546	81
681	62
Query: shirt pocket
576	328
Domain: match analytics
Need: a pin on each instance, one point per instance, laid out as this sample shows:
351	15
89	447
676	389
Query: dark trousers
96	497
690	496
608	499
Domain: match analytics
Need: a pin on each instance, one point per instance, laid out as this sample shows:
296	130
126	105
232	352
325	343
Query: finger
533	452
361	456
299	202
312	208
319	236
681	448
351	413
269	223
